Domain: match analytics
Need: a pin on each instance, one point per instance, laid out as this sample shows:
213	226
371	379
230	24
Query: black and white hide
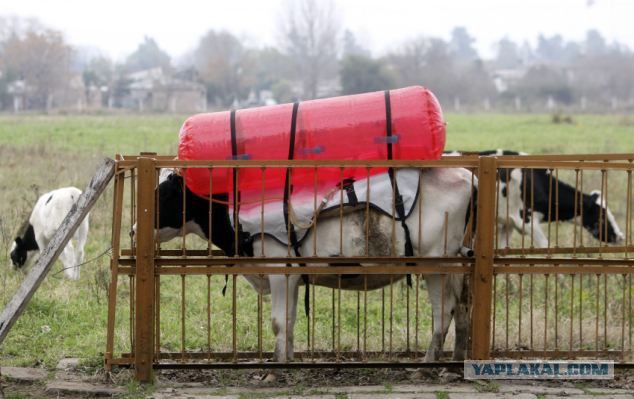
46	217
542	187
444	193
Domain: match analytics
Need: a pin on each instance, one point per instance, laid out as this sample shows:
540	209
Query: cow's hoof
423	374
270	378
447	376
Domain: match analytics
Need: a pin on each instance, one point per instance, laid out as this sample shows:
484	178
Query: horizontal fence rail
544	269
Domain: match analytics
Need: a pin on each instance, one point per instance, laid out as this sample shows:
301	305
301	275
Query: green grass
40	153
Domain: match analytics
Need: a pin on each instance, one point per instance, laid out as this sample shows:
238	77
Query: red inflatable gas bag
352	127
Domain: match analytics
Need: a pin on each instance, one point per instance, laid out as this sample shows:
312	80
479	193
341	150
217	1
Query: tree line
316	57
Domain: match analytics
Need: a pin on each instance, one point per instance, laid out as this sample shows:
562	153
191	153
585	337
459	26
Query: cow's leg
442	300
461	316
68	261
504	235
80	238
283	311
539	238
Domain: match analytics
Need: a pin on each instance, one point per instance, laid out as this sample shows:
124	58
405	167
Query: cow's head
599	220
24	247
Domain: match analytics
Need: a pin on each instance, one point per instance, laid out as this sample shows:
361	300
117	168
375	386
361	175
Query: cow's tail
471	217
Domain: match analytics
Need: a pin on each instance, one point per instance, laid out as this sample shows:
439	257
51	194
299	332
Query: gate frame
482	269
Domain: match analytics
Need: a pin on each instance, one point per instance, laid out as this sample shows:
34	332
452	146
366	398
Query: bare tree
309	36
226	67
42	59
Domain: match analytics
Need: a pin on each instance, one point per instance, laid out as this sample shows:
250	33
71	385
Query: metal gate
569	299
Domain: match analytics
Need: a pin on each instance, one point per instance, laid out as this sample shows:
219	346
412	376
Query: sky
116	27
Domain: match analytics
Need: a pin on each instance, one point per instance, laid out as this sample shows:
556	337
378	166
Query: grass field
39	153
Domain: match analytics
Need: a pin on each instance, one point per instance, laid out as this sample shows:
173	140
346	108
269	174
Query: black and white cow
444	202
596	217
46	217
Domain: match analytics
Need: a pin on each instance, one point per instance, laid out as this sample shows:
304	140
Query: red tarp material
339	128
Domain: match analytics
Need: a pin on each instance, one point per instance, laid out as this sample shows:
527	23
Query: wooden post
69	225
483	272
144	293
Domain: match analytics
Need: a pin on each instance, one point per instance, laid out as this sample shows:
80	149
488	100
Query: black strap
398	199
287	186
234	155
348	186
287	196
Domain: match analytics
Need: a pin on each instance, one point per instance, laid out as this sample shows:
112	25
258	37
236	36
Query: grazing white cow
445	192
597	218
46	217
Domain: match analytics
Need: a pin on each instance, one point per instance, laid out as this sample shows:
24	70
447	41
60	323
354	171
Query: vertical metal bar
407	347
532	224
391	314
596	321
629	311
144	292
365	314
550	205
506	305
341	212
358	323
184	219
483	270
572	311
556	283
262	200
393	236
580	311
132	313
383	320
234	321
260	306
312	316
623	318
210	242
286	318
236	203
519	313
506	230
524	210
628	215
183	317
316	219
333	319
576	212
209	316
133	187
416	347
339	318
605	311
420	208
556	215
545	312
367	216
581	209
315	211
117	215
495	302
157	307
443	279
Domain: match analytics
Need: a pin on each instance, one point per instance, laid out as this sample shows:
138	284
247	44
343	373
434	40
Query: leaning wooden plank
78	212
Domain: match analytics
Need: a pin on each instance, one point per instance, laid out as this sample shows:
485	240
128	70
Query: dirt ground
291	381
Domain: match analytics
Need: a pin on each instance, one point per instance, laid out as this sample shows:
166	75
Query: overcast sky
117	26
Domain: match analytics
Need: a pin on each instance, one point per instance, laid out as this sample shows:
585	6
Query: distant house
154	90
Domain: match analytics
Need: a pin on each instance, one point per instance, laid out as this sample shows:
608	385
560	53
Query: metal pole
144	293
483	271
